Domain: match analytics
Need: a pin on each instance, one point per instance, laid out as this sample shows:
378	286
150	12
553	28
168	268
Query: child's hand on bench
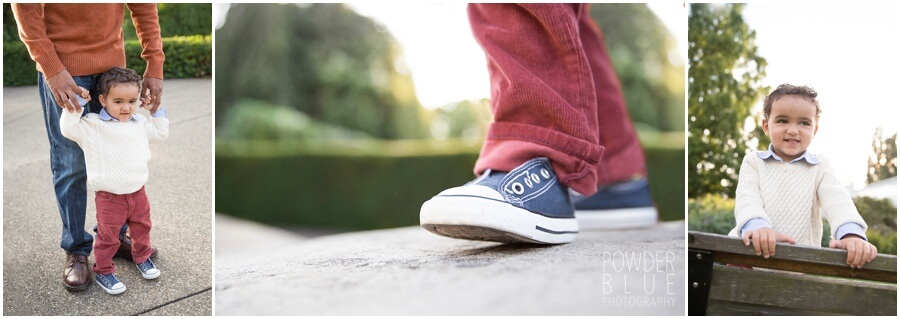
764	240
859	251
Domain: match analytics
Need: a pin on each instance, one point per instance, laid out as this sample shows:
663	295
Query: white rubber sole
610	219
150	275
110	291
478	218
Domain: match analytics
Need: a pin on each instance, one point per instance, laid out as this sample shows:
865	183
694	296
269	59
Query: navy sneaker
148	269
528	204
110	283
618	206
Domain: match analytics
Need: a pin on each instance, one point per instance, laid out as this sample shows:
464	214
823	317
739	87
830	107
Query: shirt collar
106	117
770	153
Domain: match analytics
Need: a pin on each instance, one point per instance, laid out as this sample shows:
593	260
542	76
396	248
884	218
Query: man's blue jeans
67	165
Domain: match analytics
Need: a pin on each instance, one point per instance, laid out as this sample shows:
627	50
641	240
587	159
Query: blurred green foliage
715	214
344	69
324	60
881	216
883	161
366	184
176	19
711	213
188	56
724	81
463	119
10	30
18	68
259	120
646	58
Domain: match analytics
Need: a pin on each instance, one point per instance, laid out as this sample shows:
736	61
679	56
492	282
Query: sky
445	62
848	53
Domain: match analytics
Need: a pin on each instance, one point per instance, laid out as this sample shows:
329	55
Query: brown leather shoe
124	251
77	275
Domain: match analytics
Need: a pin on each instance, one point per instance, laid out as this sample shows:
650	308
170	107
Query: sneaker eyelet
517	188
545	173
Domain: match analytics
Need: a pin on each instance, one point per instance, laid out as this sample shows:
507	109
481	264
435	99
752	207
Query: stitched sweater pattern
115	153
792	198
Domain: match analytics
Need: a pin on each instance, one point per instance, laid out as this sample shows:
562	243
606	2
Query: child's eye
805	123
780	121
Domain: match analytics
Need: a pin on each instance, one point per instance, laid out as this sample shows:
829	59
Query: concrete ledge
408	271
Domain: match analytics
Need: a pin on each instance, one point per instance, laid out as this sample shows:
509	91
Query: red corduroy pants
112	212
554	94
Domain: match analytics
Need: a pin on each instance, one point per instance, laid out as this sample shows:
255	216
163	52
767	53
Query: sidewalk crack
173	301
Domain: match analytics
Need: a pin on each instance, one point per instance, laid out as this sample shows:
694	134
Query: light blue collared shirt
161	112
807	156
757	223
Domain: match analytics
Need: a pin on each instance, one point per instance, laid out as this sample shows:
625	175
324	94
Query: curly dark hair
116	76
804	92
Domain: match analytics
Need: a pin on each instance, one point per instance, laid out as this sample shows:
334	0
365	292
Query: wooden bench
806	280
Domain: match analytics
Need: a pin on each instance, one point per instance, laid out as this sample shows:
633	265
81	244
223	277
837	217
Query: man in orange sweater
72	44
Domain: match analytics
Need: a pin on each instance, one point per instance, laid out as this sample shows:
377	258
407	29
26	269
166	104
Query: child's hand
764	240
145	102
85	93
859	251
83	97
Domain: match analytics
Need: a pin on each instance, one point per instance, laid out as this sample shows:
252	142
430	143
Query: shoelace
70	263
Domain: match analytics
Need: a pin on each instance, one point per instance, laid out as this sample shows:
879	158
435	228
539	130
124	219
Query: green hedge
711	214
18	68
371	184
176	19
186	57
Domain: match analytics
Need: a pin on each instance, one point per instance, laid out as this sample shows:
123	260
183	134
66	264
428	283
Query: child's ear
816	129
102	100
765	126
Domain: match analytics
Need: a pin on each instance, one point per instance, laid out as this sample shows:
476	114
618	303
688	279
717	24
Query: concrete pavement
408	271
180	196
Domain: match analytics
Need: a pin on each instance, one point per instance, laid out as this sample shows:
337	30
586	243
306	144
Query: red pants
112	212
554	94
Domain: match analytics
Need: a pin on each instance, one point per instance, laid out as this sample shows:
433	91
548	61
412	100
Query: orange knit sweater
87	38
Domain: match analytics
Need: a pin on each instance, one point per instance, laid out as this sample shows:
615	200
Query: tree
724	81
642	50
883	163
324	60
462	119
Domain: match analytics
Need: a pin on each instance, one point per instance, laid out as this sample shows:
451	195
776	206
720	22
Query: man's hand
152	89
764	240
64	90
859	251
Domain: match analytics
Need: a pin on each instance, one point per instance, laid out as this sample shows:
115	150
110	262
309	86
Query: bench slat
811	260
743	290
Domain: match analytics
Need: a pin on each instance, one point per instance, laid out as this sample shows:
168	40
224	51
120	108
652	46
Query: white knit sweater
115	153
789	196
